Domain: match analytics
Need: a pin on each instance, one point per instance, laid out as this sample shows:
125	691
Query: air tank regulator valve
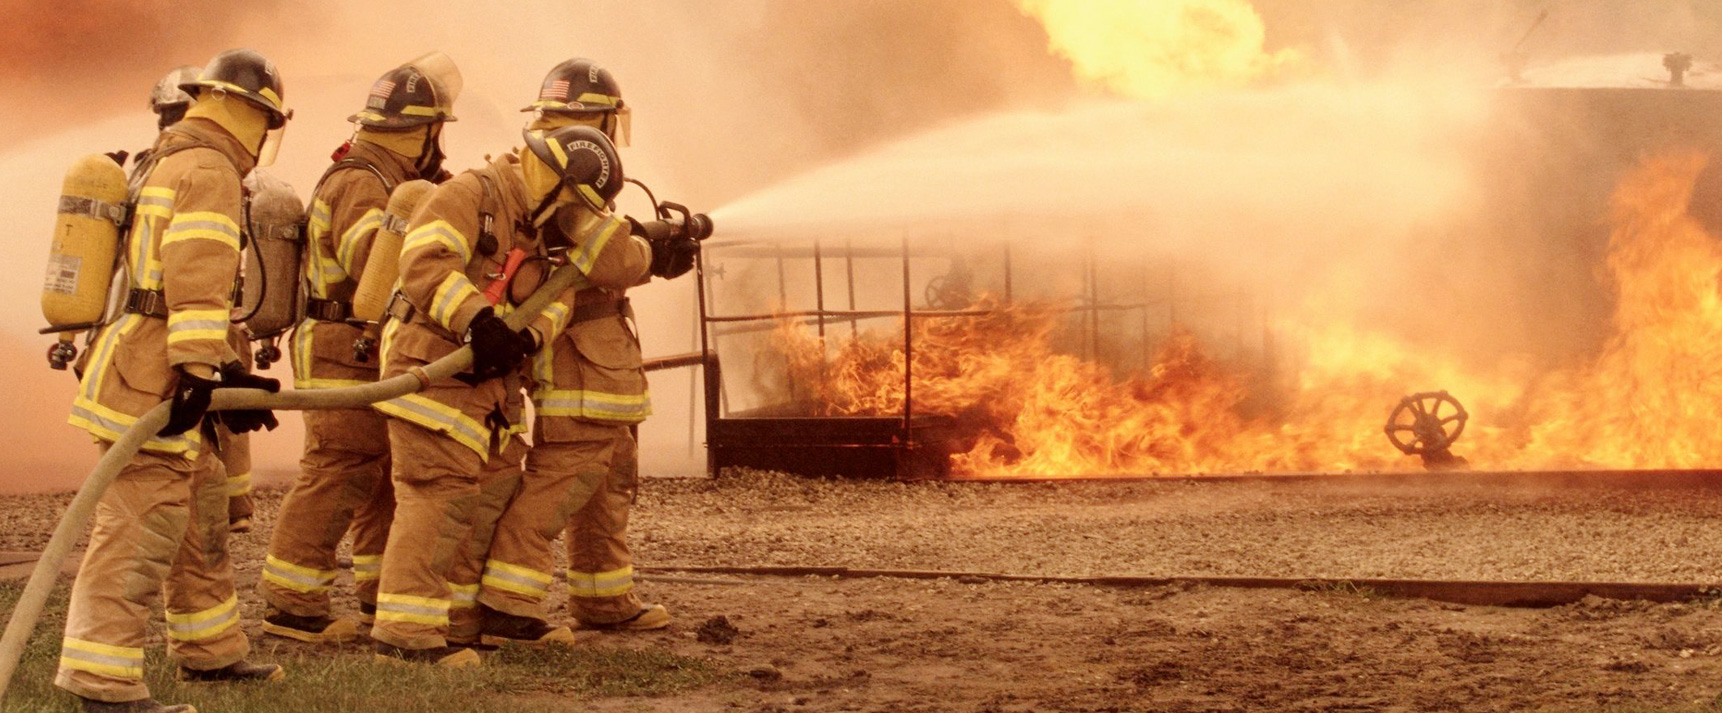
61	355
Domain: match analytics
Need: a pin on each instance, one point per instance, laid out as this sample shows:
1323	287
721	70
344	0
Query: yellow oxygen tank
81	259
383	267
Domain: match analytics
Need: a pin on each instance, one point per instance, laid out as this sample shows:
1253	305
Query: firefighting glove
673	251
674	257
234	376
190	401
496	349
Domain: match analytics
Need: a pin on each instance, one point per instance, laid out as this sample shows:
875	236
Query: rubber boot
501	629
446	656
650	616
311	629
237	672
147	705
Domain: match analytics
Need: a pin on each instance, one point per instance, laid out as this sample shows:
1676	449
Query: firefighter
163	523
457	436
344	476
589	391
169	103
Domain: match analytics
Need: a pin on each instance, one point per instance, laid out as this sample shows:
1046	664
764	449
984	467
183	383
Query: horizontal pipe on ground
1476	593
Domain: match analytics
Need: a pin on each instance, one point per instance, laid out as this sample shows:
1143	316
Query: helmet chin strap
431	155
543	212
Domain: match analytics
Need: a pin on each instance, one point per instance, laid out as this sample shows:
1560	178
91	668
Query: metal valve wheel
1426	424
952	290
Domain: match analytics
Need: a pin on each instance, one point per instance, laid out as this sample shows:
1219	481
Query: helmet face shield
271	145
622	126
439	67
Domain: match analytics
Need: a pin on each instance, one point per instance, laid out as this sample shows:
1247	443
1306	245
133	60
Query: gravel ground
1249	528
824	645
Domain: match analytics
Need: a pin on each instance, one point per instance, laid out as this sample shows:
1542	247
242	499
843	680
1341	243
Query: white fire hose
77	516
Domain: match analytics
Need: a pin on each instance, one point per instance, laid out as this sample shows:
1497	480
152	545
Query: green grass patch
327	680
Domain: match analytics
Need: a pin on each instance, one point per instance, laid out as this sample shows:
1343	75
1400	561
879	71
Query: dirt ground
819	644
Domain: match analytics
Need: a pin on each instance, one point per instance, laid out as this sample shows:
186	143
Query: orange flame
1148	49
1651	399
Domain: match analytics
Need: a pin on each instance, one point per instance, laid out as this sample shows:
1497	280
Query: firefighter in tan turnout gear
344	478
163	523
464	242
169	103
589	391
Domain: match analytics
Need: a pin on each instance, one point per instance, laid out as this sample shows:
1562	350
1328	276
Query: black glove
190	402
234	376
496	349
674	257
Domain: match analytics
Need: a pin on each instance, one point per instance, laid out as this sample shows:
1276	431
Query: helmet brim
195	88
554	107
378	121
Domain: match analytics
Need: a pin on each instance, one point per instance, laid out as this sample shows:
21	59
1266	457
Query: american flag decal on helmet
555	90
382	88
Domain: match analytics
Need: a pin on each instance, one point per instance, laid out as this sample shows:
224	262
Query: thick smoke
728	99
731	98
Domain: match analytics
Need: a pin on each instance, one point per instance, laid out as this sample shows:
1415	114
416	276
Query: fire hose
77	516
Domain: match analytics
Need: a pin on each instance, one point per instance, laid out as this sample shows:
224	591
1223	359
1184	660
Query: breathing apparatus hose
77	516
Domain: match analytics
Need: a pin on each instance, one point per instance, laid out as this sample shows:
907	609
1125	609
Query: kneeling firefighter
589	391
163	523
453	442
344	473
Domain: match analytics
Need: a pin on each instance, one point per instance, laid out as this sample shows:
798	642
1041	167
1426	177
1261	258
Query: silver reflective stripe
201	225
121	662
439	418
593	405
514	578
410	608
306	580
188	630
183	325
448	299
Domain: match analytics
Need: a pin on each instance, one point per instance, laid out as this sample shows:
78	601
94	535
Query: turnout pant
497	484
162	526
585	486
236	471
343	483
437	489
